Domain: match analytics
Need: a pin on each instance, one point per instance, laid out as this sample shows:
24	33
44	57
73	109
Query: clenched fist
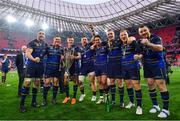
137	56
130	40
145	41
37	59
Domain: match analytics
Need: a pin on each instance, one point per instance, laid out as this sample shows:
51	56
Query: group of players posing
109	61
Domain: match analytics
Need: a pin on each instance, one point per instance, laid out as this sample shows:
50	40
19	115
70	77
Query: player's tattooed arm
29	55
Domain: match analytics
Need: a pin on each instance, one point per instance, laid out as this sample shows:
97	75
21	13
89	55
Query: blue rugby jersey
87	54
39	50
54	57
128	52
101	54
114	51
5	65
153	58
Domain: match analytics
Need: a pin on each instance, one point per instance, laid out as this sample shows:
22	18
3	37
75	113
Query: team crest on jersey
36	44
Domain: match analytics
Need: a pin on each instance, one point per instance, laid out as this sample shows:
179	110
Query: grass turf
86	110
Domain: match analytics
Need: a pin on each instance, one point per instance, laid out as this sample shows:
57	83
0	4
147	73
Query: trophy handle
92	29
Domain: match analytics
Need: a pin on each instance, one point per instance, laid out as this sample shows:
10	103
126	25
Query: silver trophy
68	60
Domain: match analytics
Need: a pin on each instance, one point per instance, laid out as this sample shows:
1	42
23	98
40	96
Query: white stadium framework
71	16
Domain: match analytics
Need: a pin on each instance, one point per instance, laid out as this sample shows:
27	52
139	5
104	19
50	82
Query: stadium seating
177	60
166	33
3	43
17	41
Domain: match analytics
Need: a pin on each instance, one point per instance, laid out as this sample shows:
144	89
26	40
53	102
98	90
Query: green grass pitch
87	110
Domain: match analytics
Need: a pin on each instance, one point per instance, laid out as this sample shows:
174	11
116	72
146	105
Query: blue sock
165	99
55	90
34	95
82	91
101	92
66	87
153	96
106	90
75	87
113	91
3	79
131	94
24	92
121	94
139	97
45	92
94	93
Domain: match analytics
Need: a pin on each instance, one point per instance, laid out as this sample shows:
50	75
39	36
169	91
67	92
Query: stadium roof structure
105	14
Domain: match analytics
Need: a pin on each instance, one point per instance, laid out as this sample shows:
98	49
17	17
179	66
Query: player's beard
146	36
40	38
70	45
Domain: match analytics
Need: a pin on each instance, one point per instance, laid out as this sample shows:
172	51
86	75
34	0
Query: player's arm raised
93	46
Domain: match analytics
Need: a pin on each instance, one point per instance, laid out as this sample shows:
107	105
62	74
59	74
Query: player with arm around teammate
131	70
100	62
52	71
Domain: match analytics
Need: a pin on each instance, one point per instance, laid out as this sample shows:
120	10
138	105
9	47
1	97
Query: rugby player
36	51
131	70
72	72
154	70
87	67
52	71
101	51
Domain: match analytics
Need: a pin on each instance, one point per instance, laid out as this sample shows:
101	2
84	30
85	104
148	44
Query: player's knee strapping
81	79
